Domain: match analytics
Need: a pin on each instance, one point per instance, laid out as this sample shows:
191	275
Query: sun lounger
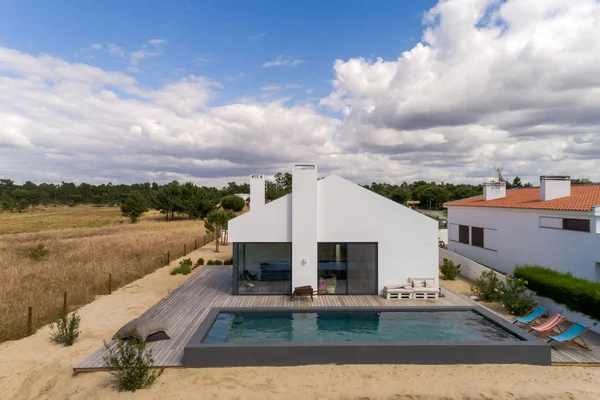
533	318
551	325
302	291
573	335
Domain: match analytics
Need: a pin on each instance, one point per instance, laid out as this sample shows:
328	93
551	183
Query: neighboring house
555	225
330	234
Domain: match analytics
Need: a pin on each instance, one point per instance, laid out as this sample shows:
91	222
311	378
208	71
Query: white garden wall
471	270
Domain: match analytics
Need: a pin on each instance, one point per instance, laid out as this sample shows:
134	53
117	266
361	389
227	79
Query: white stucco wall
407	240
270	223
304	226
514	236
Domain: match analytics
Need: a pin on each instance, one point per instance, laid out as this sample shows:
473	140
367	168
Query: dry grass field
84	245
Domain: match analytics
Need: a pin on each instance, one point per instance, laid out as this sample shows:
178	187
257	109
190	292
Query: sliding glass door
347	268
262	268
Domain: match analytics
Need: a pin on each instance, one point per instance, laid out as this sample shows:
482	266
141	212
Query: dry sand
33	368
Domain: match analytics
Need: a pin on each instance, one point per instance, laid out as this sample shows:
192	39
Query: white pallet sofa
414	288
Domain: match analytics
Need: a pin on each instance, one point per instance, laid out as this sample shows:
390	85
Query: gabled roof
582	198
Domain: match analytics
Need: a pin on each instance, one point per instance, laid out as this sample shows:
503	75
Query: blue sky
132	91
227	41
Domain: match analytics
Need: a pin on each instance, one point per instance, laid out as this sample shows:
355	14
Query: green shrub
487	287
198	263
38	251
217	262
575	293
66	329
130	366
229	261
233	203
184	268
516	299
449	269
210	262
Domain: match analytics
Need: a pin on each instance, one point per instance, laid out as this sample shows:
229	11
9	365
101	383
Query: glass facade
262	268
347	268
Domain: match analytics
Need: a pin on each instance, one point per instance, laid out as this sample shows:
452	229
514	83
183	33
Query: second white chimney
257	192
554	187
494	190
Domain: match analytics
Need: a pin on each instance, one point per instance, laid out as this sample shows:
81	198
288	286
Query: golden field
84	245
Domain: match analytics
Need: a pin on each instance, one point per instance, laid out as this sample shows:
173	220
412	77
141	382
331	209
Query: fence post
30	321
65	303
168	257
109	283
195	244
184	249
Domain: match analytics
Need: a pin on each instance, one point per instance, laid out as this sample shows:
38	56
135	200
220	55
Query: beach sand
33	368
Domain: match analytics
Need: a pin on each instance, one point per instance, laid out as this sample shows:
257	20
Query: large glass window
333	266
263	268
347	268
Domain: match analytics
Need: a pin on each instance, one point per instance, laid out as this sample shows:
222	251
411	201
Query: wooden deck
210	287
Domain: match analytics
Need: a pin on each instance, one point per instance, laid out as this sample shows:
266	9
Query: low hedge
575	293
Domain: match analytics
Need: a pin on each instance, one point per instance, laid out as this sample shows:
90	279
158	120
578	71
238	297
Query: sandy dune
33	368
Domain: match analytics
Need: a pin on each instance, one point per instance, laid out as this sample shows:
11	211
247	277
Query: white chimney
554	187
257	192
304	225
494	190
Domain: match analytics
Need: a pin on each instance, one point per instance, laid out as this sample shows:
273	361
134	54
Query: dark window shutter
463	234
572	224
477	236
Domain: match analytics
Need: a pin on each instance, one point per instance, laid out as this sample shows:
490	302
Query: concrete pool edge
530	350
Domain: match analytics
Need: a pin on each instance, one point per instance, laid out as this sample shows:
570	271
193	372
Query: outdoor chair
302	291
573	336
533	318
248	286
551	325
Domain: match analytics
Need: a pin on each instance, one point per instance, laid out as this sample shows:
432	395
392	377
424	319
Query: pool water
355	326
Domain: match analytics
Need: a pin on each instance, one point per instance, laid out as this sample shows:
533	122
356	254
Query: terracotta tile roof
582	198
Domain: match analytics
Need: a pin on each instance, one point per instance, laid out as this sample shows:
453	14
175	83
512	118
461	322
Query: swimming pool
385	335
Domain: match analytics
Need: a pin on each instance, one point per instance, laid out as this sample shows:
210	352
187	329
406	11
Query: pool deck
210	287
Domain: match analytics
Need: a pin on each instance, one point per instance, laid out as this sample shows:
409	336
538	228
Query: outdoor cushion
399	290
418	283
397	286
426	290
140	329
429	283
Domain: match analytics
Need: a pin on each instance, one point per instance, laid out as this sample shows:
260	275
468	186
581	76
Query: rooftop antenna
499	170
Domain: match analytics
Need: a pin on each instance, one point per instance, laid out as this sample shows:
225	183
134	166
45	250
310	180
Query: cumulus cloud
283	61
513	82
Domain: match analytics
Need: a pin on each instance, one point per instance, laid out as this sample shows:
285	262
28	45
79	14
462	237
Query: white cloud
513	82
283	61
258	36
96	46
153	48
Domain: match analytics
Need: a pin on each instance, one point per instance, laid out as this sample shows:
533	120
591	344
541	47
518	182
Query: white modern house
330	234
555	225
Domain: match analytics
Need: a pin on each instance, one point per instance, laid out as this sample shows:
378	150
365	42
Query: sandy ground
33	368
463	286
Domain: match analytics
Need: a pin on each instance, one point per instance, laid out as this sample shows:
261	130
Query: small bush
38	251
210	262
575	293
184	268
217	262
229	261
198	263
66	329
130	366
449	269
233	203
516	299
487	287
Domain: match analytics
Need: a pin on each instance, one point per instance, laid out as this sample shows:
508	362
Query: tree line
195	201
